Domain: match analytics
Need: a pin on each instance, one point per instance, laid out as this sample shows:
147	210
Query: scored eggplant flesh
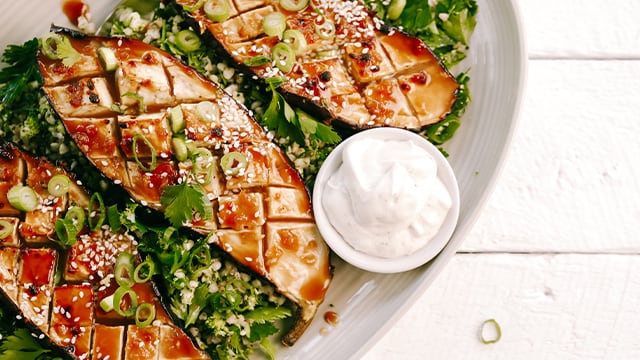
261	210
357	70
65	312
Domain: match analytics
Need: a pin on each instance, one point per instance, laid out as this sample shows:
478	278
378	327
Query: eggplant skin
262	215
368	74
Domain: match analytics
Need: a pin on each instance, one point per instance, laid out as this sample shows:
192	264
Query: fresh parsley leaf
268	349
181	201
21	345
22	69
268	314
317	129
262	330
281	118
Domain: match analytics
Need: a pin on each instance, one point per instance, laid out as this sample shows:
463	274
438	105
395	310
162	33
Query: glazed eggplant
158	128
59	290
341	62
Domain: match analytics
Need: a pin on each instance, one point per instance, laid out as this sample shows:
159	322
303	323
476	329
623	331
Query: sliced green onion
199	258
144	271
202	165
326	30
118	298
177	119
283	56
395	9
188	41
59	185
134	146
294	5
66	231
139	98
496	328
6	228
145	314
58	47
168	233
98	214
76	215
113	216
217	10
274	24
295	39
208	111
23	198
258	60
195	7
180	149
124	269
232	162
108	58
106	304
442	131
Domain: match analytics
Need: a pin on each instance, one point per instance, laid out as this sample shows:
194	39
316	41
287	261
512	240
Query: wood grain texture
582	29
549	307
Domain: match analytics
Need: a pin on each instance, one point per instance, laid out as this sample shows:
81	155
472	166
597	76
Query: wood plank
548	306
582	28
570	183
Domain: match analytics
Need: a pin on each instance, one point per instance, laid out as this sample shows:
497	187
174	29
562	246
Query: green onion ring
195	7
232	162
124	270
66	231
395	8
274	24
146	268
119	295
442	131
326	30
59	185
294	5
23	198
497	329
138	97
106	304
295	39
188	41
283	56
177	119
154	159
6	228
76	215
217	10
96	197
145	314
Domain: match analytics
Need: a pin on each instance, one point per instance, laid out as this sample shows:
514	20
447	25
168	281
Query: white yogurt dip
385	199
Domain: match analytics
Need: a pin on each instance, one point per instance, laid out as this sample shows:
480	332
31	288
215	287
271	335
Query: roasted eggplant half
59	274
169	135
340	61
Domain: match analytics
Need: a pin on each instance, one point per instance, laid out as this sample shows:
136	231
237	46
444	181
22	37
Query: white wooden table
555	255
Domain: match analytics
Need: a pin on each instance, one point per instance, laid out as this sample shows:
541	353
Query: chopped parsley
182	200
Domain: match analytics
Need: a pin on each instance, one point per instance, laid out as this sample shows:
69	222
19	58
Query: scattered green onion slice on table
6	228
274	24
326	30
188	41
145	314
118	298
283	56
232	162
152	150
23	198
59	185
98	215
295	39
496	327
124	270
217	10
294	5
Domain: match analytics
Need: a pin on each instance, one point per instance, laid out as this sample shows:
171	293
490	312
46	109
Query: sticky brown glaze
262	213
65	312
361	76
